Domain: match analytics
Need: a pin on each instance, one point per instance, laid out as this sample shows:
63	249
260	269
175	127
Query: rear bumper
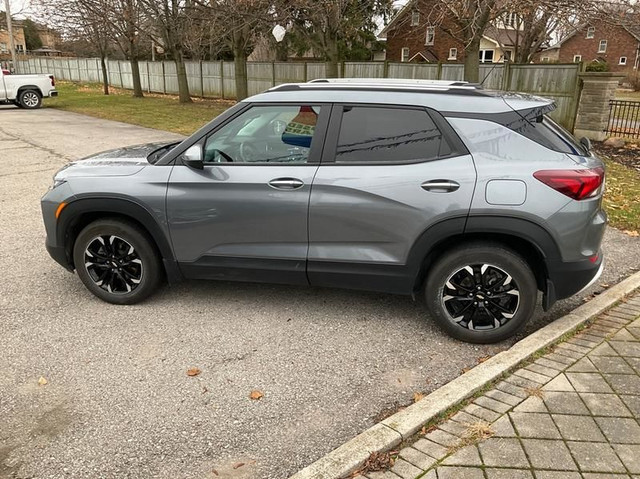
53	93
567	279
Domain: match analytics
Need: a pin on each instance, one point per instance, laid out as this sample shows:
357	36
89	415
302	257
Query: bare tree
80	20
239	23
169	23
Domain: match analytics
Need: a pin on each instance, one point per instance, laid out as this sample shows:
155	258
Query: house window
577	58
545	59
415	18
404	56
431	36
591	32
602	47
20	48
3	47
623	61
453	53
486	56
507	55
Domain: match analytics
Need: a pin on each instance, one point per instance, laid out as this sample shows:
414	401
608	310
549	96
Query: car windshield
155	155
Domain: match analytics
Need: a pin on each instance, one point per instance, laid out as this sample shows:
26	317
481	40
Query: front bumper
59	254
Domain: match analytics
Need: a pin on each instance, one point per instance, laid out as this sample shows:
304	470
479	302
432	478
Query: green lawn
622	197
154	111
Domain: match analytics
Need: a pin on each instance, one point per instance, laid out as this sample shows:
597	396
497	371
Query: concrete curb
404	424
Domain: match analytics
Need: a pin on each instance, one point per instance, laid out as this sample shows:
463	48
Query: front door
245	215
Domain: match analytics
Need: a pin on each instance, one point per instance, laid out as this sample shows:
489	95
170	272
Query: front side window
265	135
389	135
431	36
602	48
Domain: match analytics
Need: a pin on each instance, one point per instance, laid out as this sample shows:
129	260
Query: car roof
444	96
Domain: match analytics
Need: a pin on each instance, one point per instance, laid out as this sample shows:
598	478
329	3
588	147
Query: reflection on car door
245	215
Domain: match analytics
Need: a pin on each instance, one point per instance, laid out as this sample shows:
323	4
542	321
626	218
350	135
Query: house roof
383	34
633	30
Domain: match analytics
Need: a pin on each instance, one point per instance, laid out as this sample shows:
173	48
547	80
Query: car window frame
317	142
200	136
456	144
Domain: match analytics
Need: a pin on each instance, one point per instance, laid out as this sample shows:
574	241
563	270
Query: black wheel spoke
480	297
113	264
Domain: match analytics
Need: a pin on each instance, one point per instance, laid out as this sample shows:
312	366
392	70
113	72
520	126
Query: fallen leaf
193	372
634	233
42	381
417	397
465	370
483	359
215	472
238	465
255	395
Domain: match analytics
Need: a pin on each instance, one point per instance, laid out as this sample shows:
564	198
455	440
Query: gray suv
476	199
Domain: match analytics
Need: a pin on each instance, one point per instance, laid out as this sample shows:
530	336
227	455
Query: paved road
118	402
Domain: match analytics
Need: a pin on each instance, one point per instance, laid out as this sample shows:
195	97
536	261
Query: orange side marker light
60	208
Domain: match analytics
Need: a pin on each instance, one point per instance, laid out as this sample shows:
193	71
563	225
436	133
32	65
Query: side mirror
586	142
193	157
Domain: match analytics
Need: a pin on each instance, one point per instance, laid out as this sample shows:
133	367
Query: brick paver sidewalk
571	414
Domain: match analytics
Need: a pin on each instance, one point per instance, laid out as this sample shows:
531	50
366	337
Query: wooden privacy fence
217	79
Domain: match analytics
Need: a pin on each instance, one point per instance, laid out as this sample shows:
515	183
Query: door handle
286	183
440	186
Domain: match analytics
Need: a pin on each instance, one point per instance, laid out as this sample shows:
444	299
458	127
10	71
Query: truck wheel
30	99
481	293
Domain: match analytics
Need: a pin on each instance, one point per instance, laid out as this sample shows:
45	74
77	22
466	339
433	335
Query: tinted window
544	131
265	134
372	134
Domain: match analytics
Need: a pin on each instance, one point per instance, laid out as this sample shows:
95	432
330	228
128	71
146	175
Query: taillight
53	80
576	184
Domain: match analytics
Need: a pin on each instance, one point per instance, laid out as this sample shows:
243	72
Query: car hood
117	162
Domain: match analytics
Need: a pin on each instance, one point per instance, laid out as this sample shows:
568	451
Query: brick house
412	38
616	45
18	37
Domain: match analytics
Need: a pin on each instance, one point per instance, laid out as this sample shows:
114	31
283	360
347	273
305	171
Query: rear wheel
481	293
30	99
117	261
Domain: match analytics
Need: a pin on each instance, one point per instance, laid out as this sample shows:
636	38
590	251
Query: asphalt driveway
118	401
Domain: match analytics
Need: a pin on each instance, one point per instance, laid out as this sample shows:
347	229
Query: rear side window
389	135
544	131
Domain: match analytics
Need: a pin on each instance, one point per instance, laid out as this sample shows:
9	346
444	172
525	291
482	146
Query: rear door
389	175
245	215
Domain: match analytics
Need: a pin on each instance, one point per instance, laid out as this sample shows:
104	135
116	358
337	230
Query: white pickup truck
26	91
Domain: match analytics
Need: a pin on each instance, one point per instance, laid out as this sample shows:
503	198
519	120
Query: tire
30	99
504	293
117	261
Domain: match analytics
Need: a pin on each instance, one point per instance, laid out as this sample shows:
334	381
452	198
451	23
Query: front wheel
29	99
481	293
116	261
